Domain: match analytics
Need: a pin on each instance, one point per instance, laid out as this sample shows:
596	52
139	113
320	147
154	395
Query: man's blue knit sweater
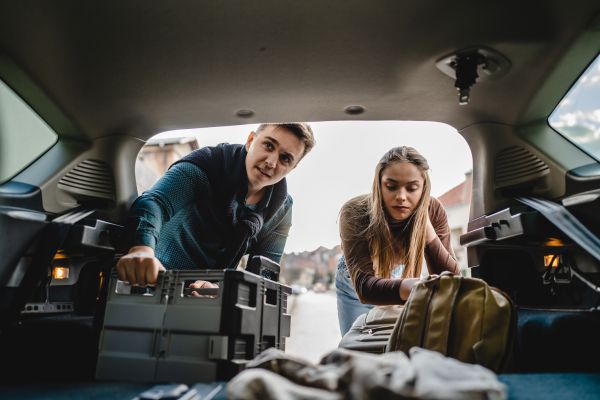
195	216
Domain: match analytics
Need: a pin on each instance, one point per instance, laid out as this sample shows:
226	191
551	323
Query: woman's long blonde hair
378	232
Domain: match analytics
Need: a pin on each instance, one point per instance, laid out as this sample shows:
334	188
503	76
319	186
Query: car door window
24	136
577	116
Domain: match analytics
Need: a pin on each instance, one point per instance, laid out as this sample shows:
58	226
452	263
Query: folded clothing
346	374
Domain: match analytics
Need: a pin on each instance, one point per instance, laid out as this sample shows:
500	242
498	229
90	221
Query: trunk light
60	273
551	260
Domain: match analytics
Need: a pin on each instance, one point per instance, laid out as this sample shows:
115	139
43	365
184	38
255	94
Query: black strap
566	222
562	218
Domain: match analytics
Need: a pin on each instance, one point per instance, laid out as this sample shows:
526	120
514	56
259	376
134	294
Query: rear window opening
24	136
577	116
340	167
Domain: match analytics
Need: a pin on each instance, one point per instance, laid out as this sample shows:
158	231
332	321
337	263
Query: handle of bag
439	313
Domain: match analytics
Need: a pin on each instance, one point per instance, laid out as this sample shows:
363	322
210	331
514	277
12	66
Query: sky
578	114
342	165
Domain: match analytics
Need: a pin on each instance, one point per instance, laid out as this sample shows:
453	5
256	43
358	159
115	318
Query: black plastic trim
582	179
22	195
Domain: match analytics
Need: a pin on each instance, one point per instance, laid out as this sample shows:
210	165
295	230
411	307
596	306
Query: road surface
314	331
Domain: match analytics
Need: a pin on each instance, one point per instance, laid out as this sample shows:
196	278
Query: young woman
387	233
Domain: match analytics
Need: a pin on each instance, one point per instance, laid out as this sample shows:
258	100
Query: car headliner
139	67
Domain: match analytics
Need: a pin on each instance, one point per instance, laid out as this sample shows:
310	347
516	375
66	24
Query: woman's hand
406	287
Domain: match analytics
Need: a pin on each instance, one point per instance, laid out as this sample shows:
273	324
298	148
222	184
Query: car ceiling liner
471	65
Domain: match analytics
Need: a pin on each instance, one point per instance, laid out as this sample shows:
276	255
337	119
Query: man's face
272	154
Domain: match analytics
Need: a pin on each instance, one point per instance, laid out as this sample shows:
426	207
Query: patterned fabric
195	216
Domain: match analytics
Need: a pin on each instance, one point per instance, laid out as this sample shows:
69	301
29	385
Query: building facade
457	203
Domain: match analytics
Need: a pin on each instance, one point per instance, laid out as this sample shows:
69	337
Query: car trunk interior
106	96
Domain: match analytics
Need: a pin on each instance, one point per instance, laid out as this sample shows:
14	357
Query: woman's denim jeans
349	306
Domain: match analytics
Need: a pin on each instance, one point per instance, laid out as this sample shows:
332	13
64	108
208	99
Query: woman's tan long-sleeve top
374	290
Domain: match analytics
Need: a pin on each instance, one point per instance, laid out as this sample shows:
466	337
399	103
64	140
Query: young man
215	205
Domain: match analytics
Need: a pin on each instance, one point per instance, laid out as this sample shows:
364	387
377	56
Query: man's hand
199	284
139	266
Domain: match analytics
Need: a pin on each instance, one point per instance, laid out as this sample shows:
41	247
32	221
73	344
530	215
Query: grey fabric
262	384
345	374
445	378
299	370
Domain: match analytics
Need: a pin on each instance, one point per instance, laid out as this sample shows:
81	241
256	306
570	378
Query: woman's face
401	189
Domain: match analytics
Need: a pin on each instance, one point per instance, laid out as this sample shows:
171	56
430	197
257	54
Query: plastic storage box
164	334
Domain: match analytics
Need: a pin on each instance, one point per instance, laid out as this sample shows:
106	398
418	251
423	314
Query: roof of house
458	195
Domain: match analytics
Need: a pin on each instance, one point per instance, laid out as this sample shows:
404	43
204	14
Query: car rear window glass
577	116
24	136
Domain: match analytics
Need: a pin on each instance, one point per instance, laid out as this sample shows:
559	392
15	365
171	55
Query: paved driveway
315	329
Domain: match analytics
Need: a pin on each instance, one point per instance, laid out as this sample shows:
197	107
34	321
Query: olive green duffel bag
462	318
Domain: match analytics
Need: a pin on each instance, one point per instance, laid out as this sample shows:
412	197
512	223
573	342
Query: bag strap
409	326
425	319
439	314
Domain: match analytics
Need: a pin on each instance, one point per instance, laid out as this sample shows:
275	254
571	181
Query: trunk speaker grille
89	179
516	165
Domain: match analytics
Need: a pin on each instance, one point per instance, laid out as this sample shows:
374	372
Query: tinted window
577	116
24	136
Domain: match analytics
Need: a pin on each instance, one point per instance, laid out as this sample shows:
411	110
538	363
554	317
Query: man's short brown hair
301	130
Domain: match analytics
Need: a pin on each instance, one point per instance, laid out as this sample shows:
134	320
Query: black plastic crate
275	319
166	334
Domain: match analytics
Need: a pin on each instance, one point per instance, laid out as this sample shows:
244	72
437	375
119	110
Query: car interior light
59	254
60	273
551	260
553	242
100	283
466	75
470	65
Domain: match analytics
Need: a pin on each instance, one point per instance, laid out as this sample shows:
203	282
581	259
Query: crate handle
125	288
